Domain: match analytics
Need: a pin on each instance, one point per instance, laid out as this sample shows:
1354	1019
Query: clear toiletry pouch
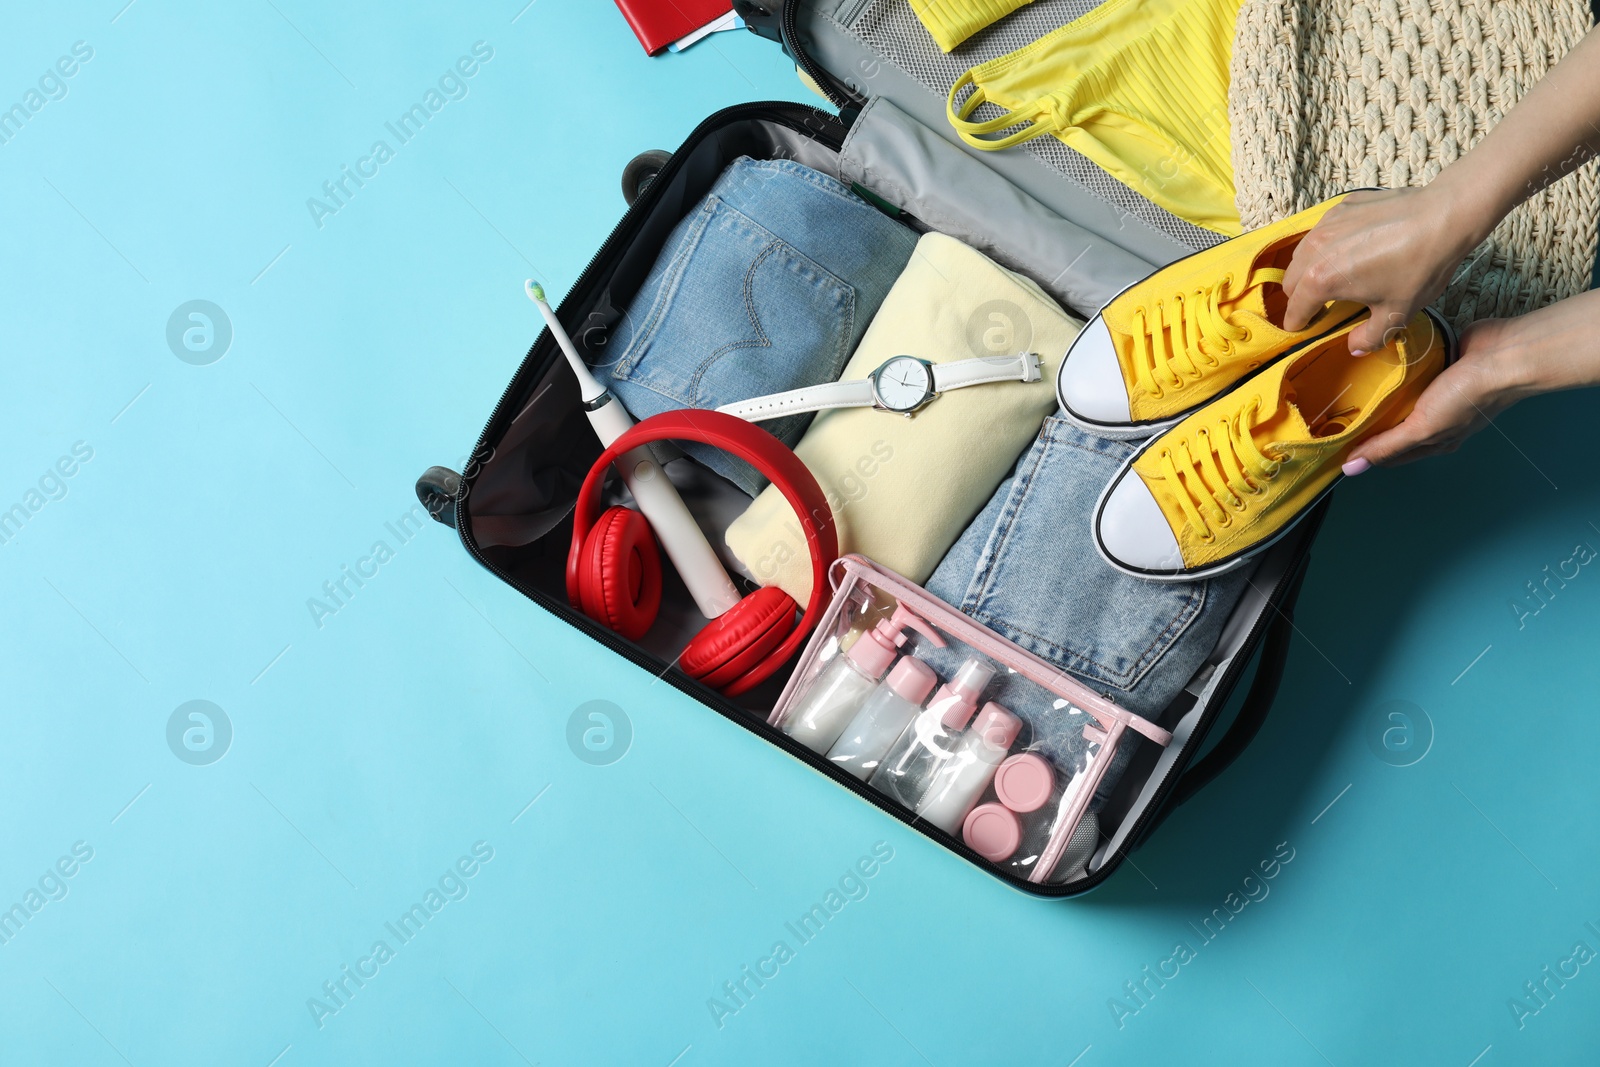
1011	777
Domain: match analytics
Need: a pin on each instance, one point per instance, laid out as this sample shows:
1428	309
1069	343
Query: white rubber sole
1123	431
1114	430
1215	570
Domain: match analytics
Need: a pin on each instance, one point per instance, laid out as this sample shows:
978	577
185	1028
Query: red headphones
614	568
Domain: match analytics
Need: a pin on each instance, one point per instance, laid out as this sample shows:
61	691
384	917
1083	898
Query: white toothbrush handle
685	543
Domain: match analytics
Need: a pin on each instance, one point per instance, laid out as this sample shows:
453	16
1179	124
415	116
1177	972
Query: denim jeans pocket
1027	569
765	286
758	315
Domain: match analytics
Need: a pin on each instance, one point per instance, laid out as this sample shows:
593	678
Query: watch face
903	383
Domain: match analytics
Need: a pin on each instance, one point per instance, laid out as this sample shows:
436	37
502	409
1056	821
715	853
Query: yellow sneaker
1234	477
1166	345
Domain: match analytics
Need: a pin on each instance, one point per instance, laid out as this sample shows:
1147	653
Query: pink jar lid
1024	782
993	831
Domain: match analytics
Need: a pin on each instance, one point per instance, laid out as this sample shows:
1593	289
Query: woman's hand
1502	361
1392	250
1454	406
1395	250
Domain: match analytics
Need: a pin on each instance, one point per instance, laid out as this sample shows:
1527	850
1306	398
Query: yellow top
1138	86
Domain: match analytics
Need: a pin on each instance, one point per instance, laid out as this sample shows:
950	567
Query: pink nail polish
1358	351
1355	467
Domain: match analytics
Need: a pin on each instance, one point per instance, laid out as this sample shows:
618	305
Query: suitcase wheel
640	171
437	489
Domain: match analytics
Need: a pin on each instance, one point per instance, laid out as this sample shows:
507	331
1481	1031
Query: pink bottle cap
993	831
912	680
877	648
997	726
1024	782
958	698
873	652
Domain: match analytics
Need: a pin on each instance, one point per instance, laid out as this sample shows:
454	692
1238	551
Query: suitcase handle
1257	703
761	17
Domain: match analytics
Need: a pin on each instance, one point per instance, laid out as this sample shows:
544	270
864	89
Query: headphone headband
775	460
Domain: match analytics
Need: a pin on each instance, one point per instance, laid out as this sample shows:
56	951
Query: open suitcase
1039	209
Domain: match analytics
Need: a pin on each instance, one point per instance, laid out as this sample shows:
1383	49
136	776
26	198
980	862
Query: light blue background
425	715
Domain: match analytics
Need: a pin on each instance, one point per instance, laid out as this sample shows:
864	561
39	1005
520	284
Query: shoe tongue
1253	301
1285	423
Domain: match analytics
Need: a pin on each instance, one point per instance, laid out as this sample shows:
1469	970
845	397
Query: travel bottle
906	769
883	718
962	778
844	685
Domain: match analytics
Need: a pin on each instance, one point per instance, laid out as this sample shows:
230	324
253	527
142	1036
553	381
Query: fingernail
1358	351
1355	467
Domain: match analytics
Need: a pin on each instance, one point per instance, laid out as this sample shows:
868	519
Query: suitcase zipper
789	26
803	120
847	15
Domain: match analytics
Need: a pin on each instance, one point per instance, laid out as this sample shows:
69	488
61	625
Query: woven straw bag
1330	95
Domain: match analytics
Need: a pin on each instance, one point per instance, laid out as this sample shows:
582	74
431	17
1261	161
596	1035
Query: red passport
657	23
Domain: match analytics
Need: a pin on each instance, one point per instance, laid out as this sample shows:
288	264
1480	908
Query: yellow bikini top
1138	86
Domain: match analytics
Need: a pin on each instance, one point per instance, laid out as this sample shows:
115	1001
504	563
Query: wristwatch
902	384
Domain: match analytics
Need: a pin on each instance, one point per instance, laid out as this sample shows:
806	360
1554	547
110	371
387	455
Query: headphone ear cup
740	638
620	573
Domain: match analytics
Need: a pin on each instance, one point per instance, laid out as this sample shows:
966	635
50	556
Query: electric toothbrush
680	536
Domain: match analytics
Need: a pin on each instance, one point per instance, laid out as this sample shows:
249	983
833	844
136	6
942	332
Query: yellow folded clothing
952	21
902	490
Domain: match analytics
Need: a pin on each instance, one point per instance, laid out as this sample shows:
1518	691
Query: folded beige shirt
902	490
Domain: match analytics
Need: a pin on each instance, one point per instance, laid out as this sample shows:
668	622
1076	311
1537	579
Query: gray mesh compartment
891	29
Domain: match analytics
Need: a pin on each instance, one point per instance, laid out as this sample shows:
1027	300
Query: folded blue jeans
766	286
1027	568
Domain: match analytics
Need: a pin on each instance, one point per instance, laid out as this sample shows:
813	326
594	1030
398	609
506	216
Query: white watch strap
1023	367
851	394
